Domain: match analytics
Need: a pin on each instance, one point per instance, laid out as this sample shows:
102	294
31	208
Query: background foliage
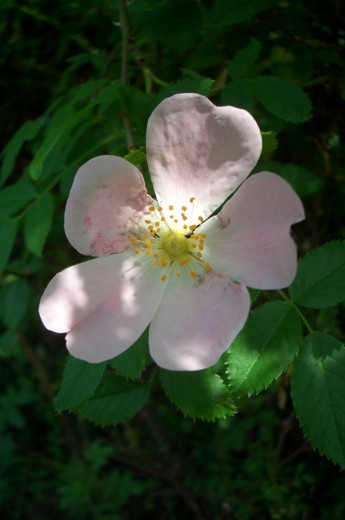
80	79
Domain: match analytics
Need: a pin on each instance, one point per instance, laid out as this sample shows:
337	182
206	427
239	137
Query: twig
124	66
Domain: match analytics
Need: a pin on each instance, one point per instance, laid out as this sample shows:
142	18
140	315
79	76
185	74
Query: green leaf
133	361
15	197
283	99
236	11
302	180
136	157
199	395
38	222
318	389
320	278
238	94
199	86
36	166
115	400
269	142
8	231
244	59
79	382
28	131
264	348
16	302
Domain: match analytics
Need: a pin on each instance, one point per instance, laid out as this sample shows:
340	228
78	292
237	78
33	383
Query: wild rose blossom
166	261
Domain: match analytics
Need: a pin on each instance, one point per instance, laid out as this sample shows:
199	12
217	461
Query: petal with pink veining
249	240
106	200
195	149
196	324
104	304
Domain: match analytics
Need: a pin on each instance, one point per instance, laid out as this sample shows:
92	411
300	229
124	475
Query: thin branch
124	66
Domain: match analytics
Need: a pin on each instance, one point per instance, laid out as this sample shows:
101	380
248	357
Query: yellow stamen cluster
173	244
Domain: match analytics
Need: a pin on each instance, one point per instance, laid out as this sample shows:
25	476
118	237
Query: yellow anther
194	245
201	219
184	208
151	208
136	250
185	226
160	208
183	216
147	221
207	266
178	274
192	228
154	263
162	219
158	230
133	240
156	255
201	247
184	261
156	223
171	207
193	274
202	235
192	199
164	277
147	252
175	220
152	233
143	237
171	216
150	228
148	243
163	261
199	255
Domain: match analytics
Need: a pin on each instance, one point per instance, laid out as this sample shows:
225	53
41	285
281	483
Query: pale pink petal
104	304
249	240
106	200
196	324
195	149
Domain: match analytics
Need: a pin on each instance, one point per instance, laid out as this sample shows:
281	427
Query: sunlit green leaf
199	395
264	348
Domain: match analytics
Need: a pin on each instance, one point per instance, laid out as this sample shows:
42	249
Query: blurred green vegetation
83	77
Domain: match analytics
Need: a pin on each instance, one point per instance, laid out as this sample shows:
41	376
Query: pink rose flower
169	263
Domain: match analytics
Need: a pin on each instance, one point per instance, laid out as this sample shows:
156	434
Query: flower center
172	243
175	244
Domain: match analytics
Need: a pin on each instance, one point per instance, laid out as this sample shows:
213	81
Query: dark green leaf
133	361
79	382
264	348
283	99
302	180
199	395
318	389
115	400
320	278
236	11
238	94
28	131
244	59
14	198
16	302
8	231
38	222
